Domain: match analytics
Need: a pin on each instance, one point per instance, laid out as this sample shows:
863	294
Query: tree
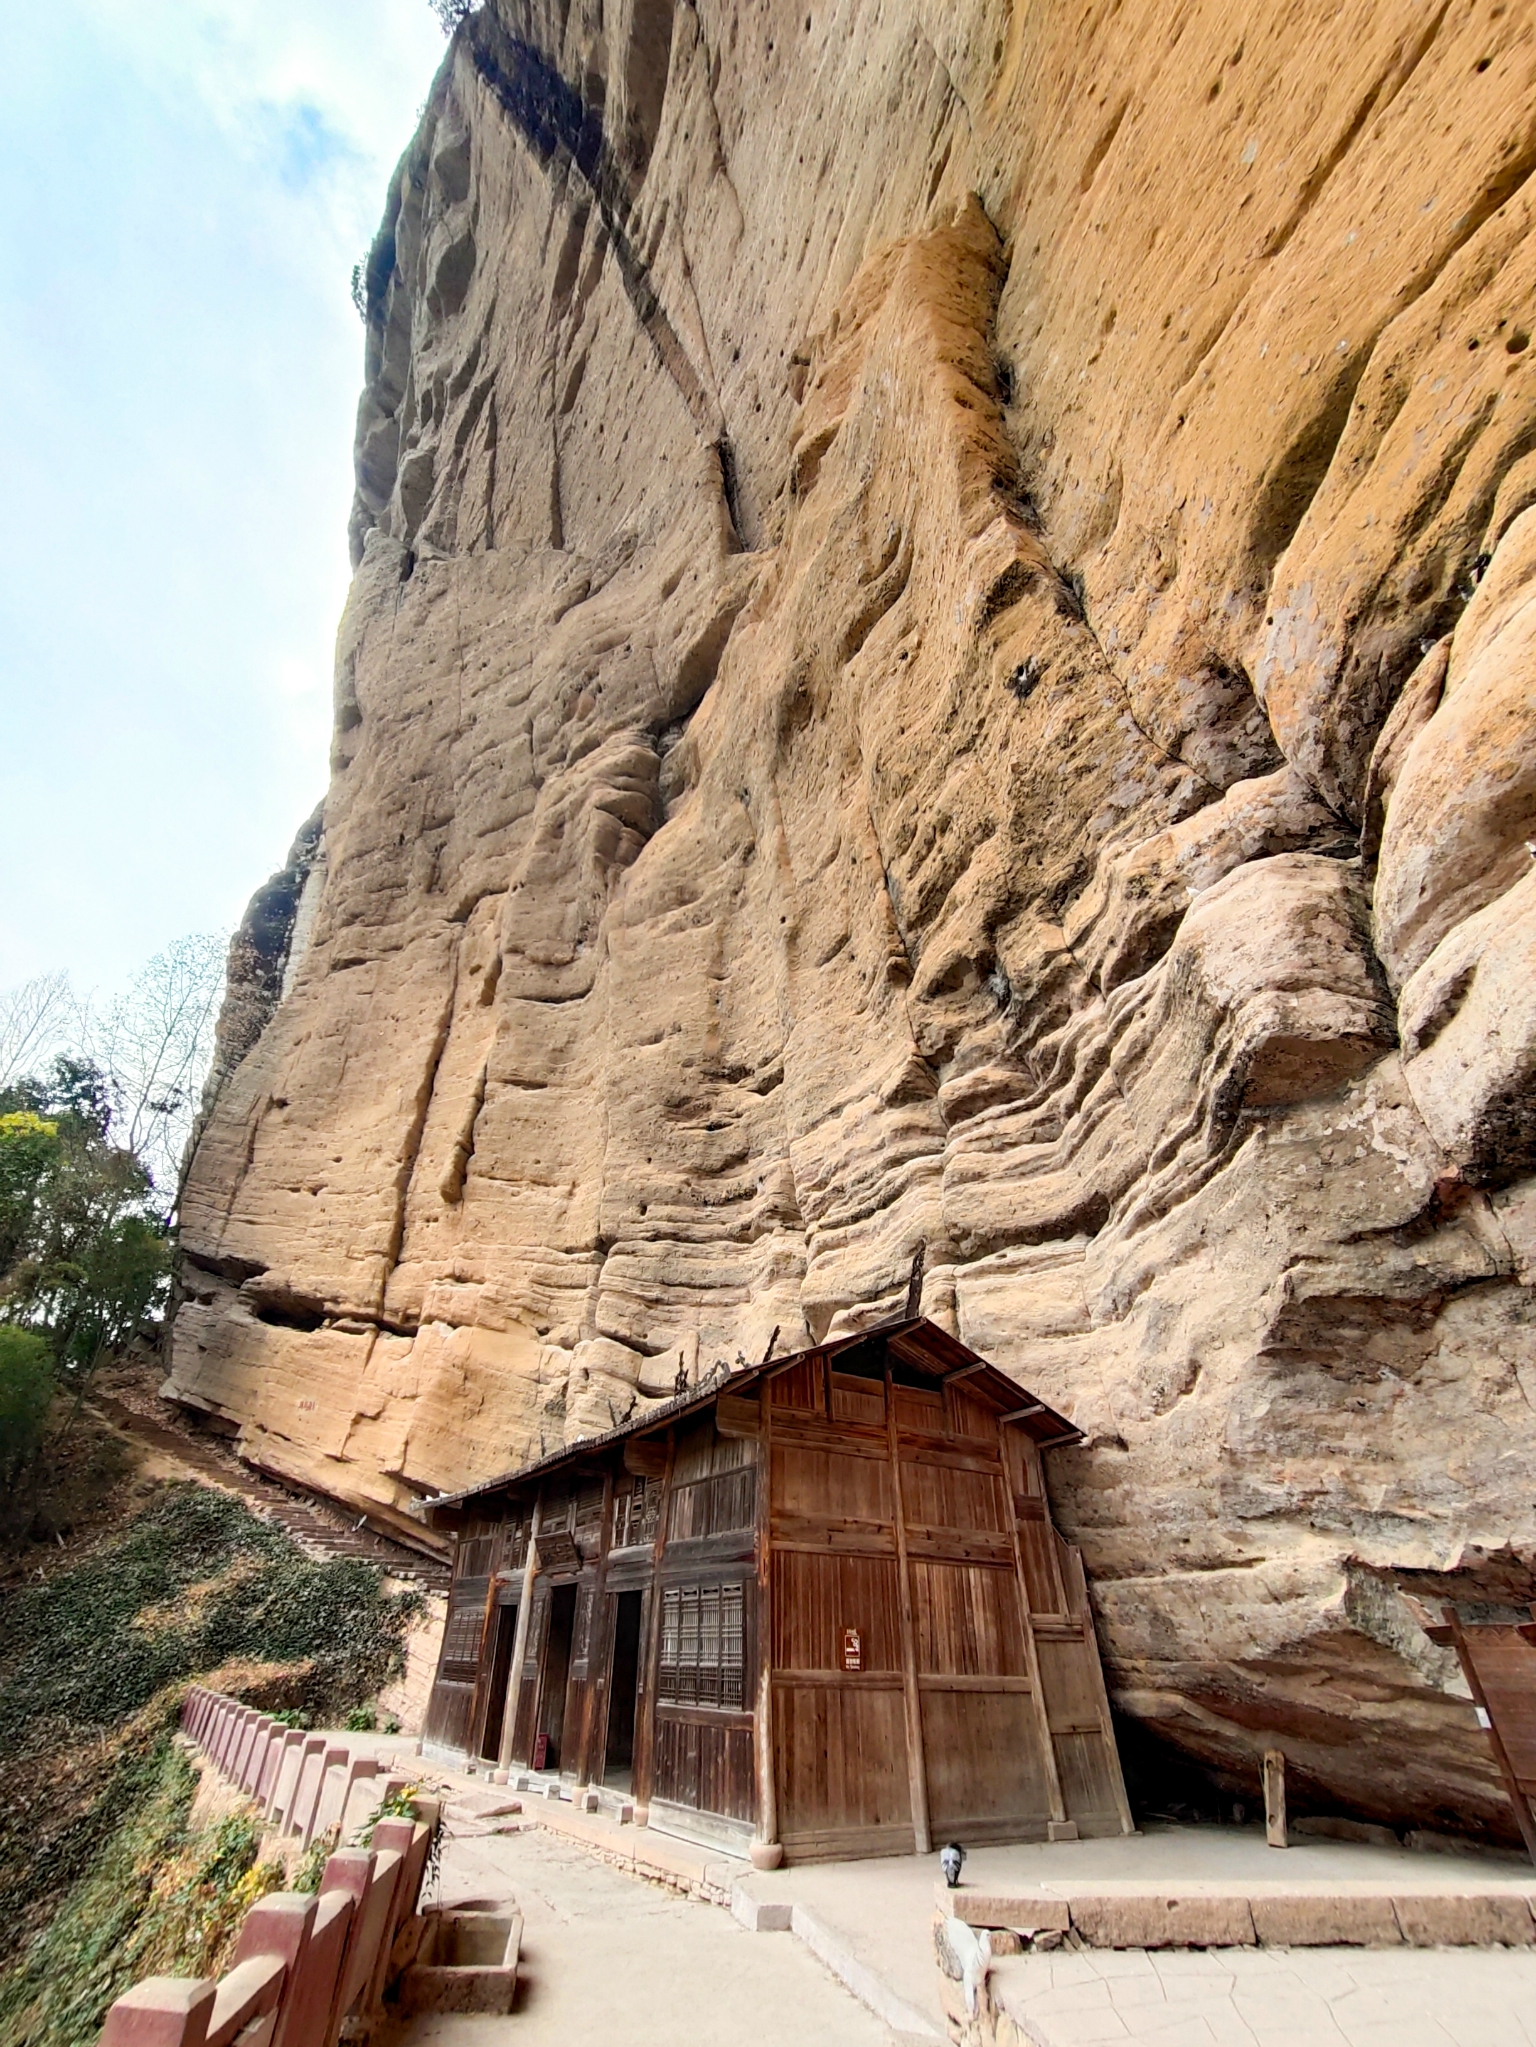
152	1045
33	1020
29	1148
26	1390
450	13
90	1153
86	1247
149	1046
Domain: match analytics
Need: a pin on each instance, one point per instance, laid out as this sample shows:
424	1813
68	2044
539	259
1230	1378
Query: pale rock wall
944	650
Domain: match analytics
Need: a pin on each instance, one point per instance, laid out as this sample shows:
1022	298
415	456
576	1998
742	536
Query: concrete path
1274	1997
609	1959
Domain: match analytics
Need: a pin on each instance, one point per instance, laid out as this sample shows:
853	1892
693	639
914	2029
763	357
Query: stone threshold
1257	1914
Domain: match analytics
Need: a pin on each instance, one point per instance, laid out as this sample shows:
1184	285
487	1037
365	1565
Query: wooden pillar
917	1767
1274	1799
520	1639
594	1721
767	1829
645	1727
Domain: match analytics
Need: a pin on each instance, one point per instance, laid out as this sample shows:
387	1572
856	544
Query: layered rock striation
943	653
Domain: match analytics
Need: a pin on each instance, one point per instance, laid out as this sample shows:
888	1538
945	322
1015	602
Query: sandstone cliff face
944	650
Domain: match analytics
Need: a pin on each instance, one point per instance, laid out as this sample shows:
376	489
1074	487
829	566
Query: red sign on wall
853	1649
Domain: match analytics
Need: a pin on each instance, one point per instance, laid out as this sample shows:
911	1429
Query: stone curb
911	2028
1266	1918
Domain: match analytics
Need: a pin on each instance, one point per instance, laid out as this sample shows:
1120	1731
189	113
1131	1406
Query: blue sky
189	183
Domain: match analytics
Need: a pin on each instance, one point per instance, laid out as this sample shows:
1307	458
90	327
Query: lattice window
461	1637
733	1646
703	1646
635	1513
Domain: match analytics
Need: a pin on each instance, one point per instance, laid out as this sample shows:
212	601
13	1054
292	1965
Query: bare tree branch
153	1042
35	1019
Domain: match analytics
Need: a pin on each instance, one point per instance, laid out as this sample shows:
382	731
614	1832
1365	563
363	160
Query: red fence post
162	2011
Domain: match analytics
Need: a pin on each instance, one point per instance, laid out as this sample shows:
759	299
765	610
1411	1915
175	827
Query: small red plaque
853	1649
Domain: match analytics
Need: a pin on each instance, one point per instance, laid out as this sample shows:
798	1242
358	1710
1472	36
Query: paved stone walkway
611	1961
1274	1997
614	1959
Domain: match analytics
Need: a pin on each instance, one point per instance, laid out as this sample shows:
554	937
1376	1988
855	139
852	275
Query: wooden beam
645	1456
1019	1414
917	1762
966	1372
1274	1799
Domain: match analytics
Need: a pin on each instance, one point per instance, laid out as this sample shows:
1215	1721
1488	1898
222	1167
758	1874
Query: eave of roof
1044	1424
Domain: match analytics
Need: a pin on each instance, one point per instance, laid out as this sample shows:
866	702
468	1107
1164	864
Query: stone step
1209	1915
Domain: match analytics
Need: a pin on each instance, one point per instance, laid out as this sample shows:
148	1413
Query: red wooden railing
303	1964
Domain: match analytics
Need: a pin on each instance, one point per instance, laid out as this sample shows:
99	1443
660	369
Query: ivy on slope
93	1669
194	1582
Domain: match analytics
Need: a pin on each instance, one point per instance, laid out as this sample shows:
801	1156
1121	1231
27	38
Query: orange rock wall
944	650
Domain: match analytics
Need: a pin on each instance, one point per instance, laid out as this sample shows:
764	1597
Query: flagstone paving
1274	1997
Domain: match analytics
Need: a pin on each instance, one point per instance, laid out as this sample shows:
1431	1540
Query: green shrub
311	1864
194	1582
26	1392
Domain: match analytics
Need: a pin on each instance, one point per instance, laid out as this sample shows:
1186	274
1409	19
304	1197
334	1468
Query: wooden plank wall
841	1755
934	1668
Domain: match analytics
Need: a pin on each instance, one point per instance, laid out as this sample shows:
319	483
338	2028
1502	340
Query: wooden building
818	1602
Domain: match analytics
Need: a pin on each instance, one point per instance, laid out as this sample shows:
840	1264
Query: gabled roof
913	1339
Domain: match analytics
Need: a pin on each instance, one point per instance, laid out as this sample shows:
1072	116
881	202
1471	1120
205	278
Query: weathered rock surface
944	649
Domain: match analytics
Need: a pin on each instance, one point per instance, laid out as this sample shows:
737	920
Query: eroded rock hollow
944	652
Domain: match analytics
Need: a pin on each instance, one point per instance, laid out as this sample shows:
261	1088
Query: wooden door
498	1673
1066	1649
554	1680
983	1757
451	1709
525	1710
839	1704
